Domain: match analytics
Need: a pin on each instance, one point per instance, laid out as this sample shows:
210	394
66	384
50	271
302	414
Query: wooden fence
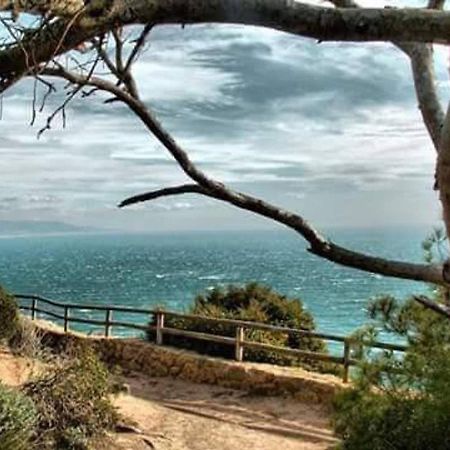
63	311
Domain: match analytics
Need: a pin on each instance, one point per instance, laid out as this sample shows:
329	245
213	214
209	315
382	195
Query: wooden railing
62	311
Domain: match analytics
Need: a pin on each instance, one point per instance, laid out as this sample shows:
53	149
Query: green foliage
400	403
17	420
254	303
72	400
9	315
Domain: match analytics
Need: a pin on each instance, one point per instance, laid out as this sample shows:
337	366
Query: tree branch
436	307
322	23
320	246
165	192
422	65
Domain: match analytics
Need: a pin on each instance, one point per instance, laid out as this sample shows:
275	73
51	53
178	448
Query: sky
331	131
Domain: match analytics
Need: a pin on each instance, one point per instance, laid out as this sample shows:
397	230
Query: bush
9	315
254	303
72	401
17	420
400	403
27	341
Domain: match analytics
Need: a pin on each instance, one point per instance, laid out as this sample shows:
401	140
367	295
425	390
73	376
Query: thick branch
322	23
60	8
422	65
320	246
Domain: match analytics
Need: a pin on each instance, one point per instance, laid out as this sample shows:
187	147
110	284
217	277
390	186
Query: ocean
169	270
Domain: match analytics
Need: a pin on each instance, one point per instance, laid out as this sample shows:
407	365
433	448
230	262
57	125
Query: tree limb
320	246
422	65
436	307
322	23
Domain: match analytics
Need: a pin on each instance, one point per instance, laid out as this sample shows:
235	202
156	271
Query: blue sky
330	130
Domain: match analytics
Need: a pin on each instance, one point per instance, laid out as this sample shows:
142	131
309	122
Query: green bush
73	402
9	315
400	403
254	303
17	420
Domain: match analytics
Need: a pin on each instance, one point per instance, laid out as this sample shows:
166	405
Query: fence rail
64	310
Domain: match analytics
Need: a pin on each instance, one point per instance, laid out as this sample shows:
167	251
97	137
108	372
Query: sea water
169	270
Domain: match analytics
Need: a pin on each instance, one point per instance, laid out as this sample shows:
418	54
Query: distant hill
22	227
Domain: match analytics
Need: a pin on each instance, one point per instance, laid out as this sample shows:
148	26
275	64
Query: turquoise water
169	270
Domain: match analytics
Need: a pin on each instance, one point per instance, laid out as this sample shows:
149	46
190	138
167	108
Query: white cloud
269	113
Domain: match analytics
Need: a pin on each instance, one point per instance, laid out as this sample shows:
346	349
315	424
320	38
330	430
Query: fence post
239	350
346	360
108	322
159	327
66	318
33	308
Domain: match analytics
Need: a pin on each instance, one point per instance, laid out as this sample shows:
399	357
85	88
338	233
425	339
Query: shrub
400	403
72	401
17	420
9	315
254	303
27	341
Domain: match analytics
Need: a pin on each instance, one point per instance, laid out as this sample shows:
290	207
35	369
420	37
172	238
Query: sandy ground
14	370
175	415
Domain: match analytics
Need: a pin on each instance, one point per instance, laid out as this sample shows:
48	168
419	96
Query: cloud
269	113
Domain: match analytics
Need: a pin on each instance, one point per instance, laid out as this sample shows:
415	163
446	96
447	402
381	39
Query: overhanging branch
319	245
436	307
321	23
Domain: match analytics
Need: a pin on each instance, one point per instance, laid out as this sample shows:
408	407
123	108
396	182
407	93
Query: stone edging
159	361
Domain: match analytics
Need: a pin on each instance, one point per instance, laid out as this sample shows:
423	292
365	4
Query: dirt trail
177	415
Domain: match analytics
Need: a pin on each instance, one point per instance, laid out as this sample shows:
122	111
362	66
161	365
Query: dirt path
177	415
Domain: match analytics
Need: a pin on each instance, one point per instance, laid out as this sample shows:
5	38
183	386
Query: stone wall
159	361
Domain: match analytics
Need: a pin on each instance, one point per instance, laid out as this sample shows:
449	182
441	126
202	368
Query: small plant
27	341
18	418
254	303
9	315
72	401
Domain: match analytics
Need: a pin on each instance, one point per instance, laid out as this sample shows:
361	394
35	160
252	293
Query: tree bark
321	23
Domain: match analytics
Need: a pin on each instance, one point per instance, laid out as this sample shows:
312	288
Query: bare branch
320	246
165	192
322	23
59	8
436	307
117	34
140	41
422	66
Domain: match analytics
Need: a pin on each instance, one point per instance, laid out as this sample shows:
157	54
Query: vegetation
398	403
17	420
66	406
254	303
9	315
72	401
